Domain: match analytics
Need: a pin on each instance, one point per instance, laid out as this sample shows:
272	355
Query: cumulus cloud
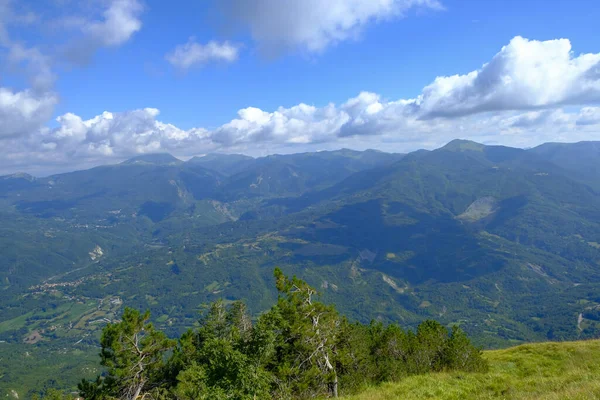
193	53
531	92
24	112
117	24
120	21
525	74
117	134
300	124
313	25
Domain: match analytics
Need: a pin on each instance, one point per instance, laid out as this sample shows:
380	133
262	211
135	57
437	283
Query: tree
133	352
223	359
53	394
428	347
299	349
307	333
460	354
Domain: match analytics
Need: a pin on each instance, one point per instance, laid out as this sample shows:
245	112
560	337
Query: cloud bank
530	92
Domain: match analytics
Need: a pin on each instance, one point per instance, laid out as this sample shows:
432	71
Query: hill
566	370
154	159
504	242
581	159
226	164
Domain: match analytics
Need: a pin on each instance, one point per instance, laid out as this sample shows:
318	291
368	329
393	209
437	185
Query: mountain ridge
485	236
455	144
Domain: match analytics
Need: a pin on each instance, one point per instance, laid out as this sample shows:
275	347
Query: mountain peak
463	145
219	156
154	159
19	175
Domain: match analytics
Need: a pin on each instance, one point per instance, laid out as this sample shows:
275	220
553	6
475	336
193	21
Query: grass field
569	370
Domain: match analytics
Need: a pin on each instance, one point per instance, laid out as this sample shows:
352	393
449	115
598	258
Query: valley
499	241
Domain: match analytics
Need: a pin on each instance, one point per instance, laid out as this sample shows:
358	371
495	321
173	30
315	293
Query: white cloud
24	112
192	53
298	124
116	135
37	65
77	142
313	25
531	92
589	116
116	25
120	21
525	74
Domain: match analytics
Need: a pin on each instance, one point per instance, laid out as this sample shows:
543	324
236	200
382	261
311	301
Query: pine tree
133	352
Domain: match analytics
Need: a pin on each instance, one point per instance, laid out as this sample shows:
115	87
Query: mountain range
503	241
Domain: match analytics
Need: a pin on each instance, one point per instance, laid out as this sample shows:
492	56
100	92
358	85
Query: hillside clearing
568	370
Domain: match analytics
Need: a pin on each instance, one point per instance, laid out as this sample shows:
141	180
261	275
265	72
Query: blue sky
394	58
75	60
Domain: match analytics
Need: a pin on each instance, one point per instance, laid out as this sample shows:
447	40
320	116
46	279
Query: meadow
567	370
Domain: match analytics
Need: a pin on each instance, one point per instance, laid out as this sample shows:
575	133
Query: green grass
61	315
15	323
569	370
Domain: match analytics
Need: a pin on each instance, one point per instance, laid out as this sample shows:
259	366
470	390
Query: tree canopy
299	349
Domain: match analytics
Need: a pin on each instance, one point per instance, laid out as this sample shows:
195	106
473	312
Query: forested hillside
503	242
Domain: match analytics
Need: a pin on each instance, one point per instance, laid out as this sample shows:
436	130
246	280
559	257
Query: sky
90	82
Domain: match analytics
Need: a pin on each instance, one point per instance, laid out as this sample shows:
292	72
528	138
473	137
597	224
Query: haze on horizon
149	156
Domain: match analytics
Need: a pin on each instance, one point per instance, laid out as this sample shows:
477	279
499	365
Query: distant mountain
94	193
14	182
159	185
226	164
580	159
18	176
503	241
295	174
154	159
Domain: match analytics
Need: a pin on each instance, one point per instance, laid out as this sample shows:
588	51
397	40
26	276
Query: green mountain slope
226	164
580	159
503	241
467	233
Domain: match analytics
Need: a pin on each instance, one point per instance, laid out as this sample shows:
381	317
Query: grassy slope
569	370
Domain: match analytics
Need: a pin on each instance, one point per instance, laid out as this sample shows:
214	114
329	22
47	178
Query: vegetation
551	371
299	349
501	242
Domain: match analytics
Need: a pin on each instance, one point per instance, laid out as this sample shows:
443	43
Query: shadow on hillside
440	248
